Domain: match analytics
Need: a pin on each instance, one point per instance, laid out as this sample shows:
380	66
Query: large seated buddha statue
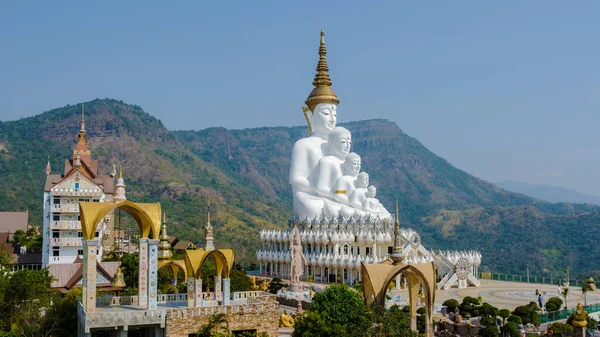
321	115
316	172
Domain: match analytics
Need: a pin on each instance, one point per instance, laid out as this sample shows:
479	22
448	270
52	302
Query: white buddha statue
359	194
329	169
372	206
344	186
321	116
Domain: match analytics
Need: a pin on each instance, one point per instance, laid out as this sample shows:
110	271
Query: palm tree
584	290
565	292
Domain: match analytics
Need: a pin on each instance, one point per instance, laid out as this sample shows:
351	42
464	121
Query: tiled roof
13	221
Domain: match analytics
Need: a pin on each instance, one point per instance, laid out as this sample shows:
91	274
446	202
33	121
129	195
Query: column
197	292
191	294
260	268
90	251
413	298
143	274
226	291
218	291
152	273
398	280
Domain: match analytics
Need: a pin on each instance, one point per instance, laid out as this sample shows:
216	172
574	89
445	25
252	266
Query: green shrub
490	331
487	321
511	329
562	329
515	319
470	300
554	303
451	304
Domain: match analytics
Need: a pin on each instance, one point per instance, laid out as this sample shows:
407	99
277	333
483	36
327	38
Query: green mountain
244	174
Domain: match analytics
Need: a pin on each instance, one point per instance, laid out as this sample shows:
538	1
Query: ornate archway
377	277
148	218
194	260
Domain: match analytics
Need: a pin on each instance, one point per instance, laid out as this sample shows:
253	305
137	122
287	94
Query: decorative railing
76	192
103	319
117	301
66	224
530	279
228	309
71	208
564	314
163	298
66	242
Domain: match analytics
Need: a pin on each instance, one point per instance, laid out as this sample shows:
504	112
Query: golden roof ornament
82	137
322	93
48	168
164	247
397	255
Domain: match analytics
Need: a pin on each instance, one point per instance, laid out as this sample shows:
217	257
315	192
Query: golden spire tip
121	172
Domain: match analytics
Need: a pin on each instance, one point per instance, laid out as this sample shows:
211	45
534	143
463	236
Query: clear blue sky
501	89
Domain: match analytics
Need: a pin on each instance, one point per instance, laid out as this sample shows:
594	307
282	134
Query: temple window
390	249
55	252
345	249
55	234
56	201
368	251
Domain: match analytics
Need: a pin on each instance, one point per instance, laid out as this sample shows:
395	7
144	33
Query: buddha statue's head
371	191
351	165
362	181
339	141
323	119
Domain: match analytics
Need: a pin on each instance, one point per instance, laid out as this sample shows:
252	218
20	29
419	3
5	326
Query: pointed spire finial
322	93
208	214
121	172
82	118
397	222
48	168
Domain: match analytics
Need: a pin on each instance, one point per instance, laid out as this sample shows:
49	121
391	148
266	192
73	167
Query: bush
562	329
451	304
490	331
511	329
470	300
515	319
275	285
553	304
487	321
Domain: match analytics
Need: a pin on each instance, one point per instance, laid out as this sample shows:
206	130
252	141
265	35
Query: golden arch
175	266
195	259
377	277
146	215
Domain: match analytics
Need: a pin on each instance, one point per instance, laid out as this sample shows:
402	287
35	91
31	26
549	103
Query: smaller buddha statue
330	168
373	206
264	286
580	317
207	298
254	285
358	196
344	186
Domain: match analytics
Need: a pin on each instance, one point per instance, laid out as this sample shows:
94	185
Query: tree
275	285
340	305
62	316
217	324
314	324
392	322
565	293
561	329
584	290
512	329
553	304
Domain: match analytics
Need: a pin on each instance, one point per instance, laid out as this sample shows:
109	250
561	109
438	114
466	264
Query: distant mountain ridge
549	193
244	173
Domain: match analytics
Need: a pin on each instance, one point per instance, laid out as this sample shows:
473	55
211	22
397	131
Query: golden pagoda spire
82	137
397	255
48	168
120	172
164	247
322	93
208	232
82	119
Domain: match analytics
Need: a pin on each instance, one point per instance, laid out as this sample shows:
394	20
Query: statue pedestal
295	288
579	332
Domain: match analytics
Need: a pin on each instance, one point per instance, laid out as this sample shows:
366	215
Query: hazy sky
501	89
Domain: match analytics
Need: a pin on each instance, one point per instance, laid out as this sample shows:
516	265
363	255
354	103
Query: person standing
540	300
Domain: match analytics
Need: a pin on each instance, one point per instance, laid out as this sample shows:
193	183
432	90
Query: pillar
191	294
152	273
198	292
218	292
413	297
226	291
88	278
398	281
143	274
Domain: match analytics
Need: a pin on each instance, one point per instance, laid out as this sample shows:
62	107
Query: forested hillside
244	173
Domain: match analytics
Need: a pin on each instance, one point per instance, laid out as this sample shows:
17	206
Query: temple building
79	181
342	223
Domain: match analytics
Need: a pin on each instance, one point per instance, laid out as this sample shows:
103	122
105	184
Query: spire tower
120	192
208	233
397	254
164	248
48	168
322	93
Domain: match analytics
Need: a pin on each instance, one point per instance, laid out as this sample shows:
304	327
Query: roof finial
120	172
322	93
397	218
208	233
113	173
82	118
48	169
